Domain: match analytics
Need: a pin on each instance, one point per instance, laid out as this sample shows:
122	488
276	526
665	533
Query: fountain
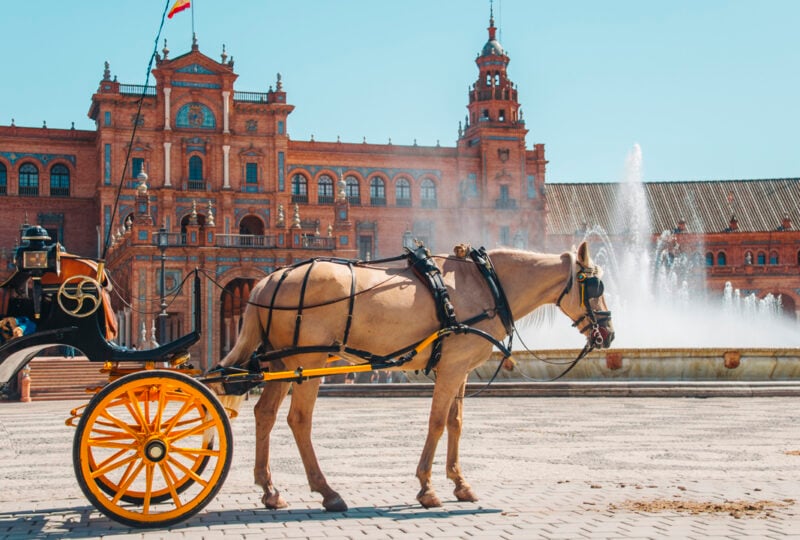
668	325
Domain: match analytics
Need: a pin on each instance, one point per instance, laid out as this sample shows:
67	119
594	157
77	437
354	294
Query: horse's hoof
273	501
465	494
429	499
334	503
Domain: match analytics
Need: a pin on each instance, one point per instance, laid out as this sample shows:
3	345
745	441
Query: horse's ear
583	254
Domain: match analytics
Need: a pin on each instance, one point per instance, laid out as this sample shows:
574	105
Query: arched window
196	173
28	179
377	191
709	259
761	258
428	193
251	230
353	190
3	179
299	189
59	181
402	192
721	259
325	190
773	257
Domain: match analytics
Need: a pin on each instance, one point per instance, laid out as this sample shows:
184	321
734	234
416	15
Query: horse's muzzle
605	335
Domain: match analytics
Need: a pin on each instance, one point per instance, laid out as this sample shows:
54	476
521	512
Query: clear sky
710	89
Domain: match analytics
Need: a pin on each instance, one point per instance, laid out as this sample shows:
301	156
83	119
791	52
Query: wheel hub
155	450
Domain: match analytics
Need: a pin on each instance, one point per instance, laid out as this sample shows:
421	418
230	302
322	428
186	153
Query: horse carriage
154	445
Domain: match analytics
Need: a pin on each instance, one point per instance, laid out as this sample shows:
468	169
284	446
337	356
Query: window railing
318	242
300	199
3	189
354	201
245	240
404	202
196	185
325	199
31	191
136	89
377	201
252	97
59	191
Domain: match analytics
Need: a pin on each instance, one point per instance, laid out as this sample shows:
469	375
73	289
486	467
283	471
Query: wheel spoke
148	489
203	482
102	471
196	452
168	478
120	424
136	412
125	485
194	431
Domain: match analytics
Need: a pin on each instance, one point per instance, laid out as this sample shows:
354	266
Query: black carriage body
33	293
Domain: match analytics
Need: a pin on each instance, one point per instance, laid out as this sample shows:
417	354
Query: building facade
193	174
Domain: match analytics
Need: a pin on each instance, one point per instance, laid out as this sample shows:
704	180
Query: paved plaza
548	467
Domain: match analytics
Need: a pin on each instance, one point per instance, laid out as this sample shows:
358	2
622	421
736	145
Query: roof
705	206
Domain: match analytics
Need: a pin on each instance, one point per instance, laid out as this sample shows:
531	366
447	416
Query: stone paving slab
551	468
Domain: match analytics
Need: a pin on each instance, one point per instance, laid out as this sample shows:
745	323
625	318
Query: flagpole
193	34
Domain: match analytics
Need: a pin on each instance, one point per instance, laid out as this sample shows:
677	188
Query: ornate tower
500	176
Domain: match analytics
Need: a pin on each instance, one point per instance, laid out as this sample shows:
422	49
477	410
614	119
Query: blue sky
708	88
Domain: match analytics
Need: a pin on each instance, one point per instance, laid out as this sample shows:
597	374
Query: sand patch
737	509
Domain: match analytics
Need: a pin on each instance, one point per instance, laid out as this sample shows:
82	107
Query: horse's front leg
444	392
463	491
304	396
266	412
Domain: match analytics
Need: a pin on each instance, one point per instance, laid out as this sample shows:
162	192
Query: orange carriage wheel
152	448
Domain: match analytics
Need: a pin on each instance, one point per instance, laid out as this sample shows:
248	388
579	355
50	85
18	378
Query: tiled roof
706	206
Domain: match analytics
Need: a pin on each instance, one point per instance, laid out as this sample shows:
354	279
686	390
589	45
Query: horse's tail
250	337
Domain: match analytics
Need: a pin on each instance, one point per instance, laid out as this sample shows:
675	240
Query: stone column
167	92
167	169
226	168
226	111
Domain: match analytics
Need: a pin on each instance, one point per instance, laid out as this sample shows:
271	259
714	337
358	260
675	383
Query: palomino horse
381	309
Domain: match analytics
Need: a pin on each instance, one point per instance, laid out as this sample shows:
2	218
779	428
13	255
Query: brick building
194	173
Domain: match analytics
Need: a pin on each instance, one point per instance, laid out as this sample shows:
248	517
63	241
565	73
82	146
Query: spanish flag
178	6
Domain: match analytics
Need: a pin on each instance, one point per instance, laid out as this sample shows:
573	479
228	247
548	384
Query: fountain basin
695	364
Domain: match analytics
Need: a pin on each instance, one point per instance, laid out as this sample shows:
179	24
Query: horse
381	309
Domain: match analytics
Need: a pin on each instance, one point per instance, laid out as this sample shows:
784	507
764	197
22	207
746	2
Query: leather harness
425	268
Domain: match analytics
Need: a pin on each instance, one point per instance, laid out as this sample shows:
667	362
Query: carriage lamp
162	241
37	255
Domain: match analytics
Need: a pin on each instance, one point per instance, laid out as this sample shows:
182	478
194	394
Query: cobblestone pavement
556	468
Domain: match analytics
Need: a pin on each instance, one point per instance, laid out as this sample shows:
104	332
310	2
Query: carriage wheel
143	452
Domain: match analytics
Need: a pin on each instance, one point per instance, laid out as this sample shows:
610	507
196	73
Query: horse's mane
542	316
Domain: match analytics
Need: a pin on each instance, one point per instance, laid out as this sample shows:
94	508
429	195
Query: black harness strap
502	306
421	261
300	303
351	303
272	303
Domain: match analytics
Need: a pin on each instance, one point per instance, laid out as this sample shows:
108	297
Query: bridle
591	286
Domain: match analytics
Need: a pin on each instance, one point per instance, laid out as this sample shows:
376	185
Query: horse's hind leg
304	396
266	412
463	491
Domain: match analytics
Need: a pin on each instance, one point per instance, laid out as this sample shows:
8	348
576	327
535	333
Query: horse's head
582	300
